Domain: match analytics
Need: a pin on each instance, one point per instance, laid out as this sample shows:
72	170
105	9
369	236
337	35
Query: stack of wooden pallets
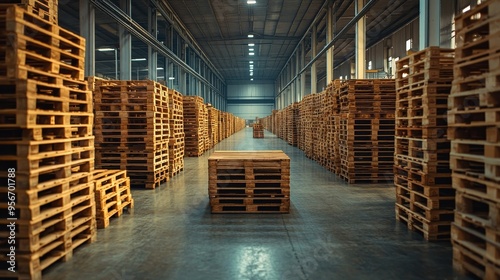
112	195
474	131
367	130
249	182
425	199
46	144
258	130
132	130
222	125
301	122
292	119
333	126
194	125
213	125
307	122
322	110
205	131
239	124
176	127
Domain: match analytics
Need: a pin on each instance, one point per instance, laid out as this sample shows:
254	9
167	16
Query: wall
250	100
379	53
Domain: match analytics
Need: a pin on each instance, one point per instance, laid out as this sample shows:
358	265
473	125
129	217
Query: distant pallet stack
367	130
112	195
474	131
258	130
292	119
307	121
425	199
333	126
46	147
301	143
284	125
239	124
321	147
176	142
213	125
205	130
249	182
132	130
194	126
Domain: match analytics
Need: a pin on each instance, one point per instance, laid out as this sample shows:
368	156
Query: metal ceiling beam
339	35
123	19
184	33
316	19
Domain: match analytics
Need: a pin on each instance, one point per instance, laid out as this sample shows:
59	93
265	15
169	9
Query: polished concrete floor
334	231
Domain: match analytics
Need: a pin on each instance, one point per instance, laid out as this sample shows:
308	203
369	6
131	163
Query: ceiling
221	29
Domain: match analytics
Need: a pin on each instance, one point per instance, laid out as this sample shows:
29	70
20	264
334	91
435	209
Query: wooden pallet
474	92
431	230
476	185
236	173
470	263
431	190
112	193
424	177
56	246
481	211
476	158
477	238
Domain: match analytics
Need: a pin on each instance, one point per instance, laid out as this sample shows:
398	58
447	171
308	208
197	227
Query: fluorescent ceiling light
251	79
105	49
159	68
251	2
251	74
251	49
139	59
251	53
250	35
251	61
251	44
171	78
251	66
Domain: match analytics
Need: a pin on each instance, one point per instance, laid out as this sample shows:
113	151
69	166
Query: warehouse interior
259	139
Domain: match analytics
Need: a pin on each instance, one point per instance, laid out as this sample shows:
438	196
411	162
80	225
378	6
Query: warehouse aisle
334	231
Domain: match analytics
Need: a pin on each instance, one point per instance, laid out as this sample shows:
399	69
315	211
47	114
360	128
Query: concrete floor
334	231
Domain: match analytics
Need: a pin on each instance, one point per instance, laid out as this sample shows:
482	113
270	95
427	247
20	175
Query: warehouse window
409	44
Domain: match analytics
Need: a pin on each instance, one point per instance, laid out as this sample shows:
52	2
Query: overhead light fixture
105	49
251	66
251	44
251	79
159	68
171	78
139	59
251	74
250	35
251	53
251	49
251	2
251	61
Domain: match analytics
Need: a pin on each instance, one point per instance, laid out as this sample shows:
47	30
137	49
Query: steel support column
152	53
87	30
303	75
125	44
360	41
314	79
429	23
329	37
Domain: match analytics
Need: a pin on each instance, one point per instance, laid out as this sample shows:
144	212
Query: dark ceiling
221	29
